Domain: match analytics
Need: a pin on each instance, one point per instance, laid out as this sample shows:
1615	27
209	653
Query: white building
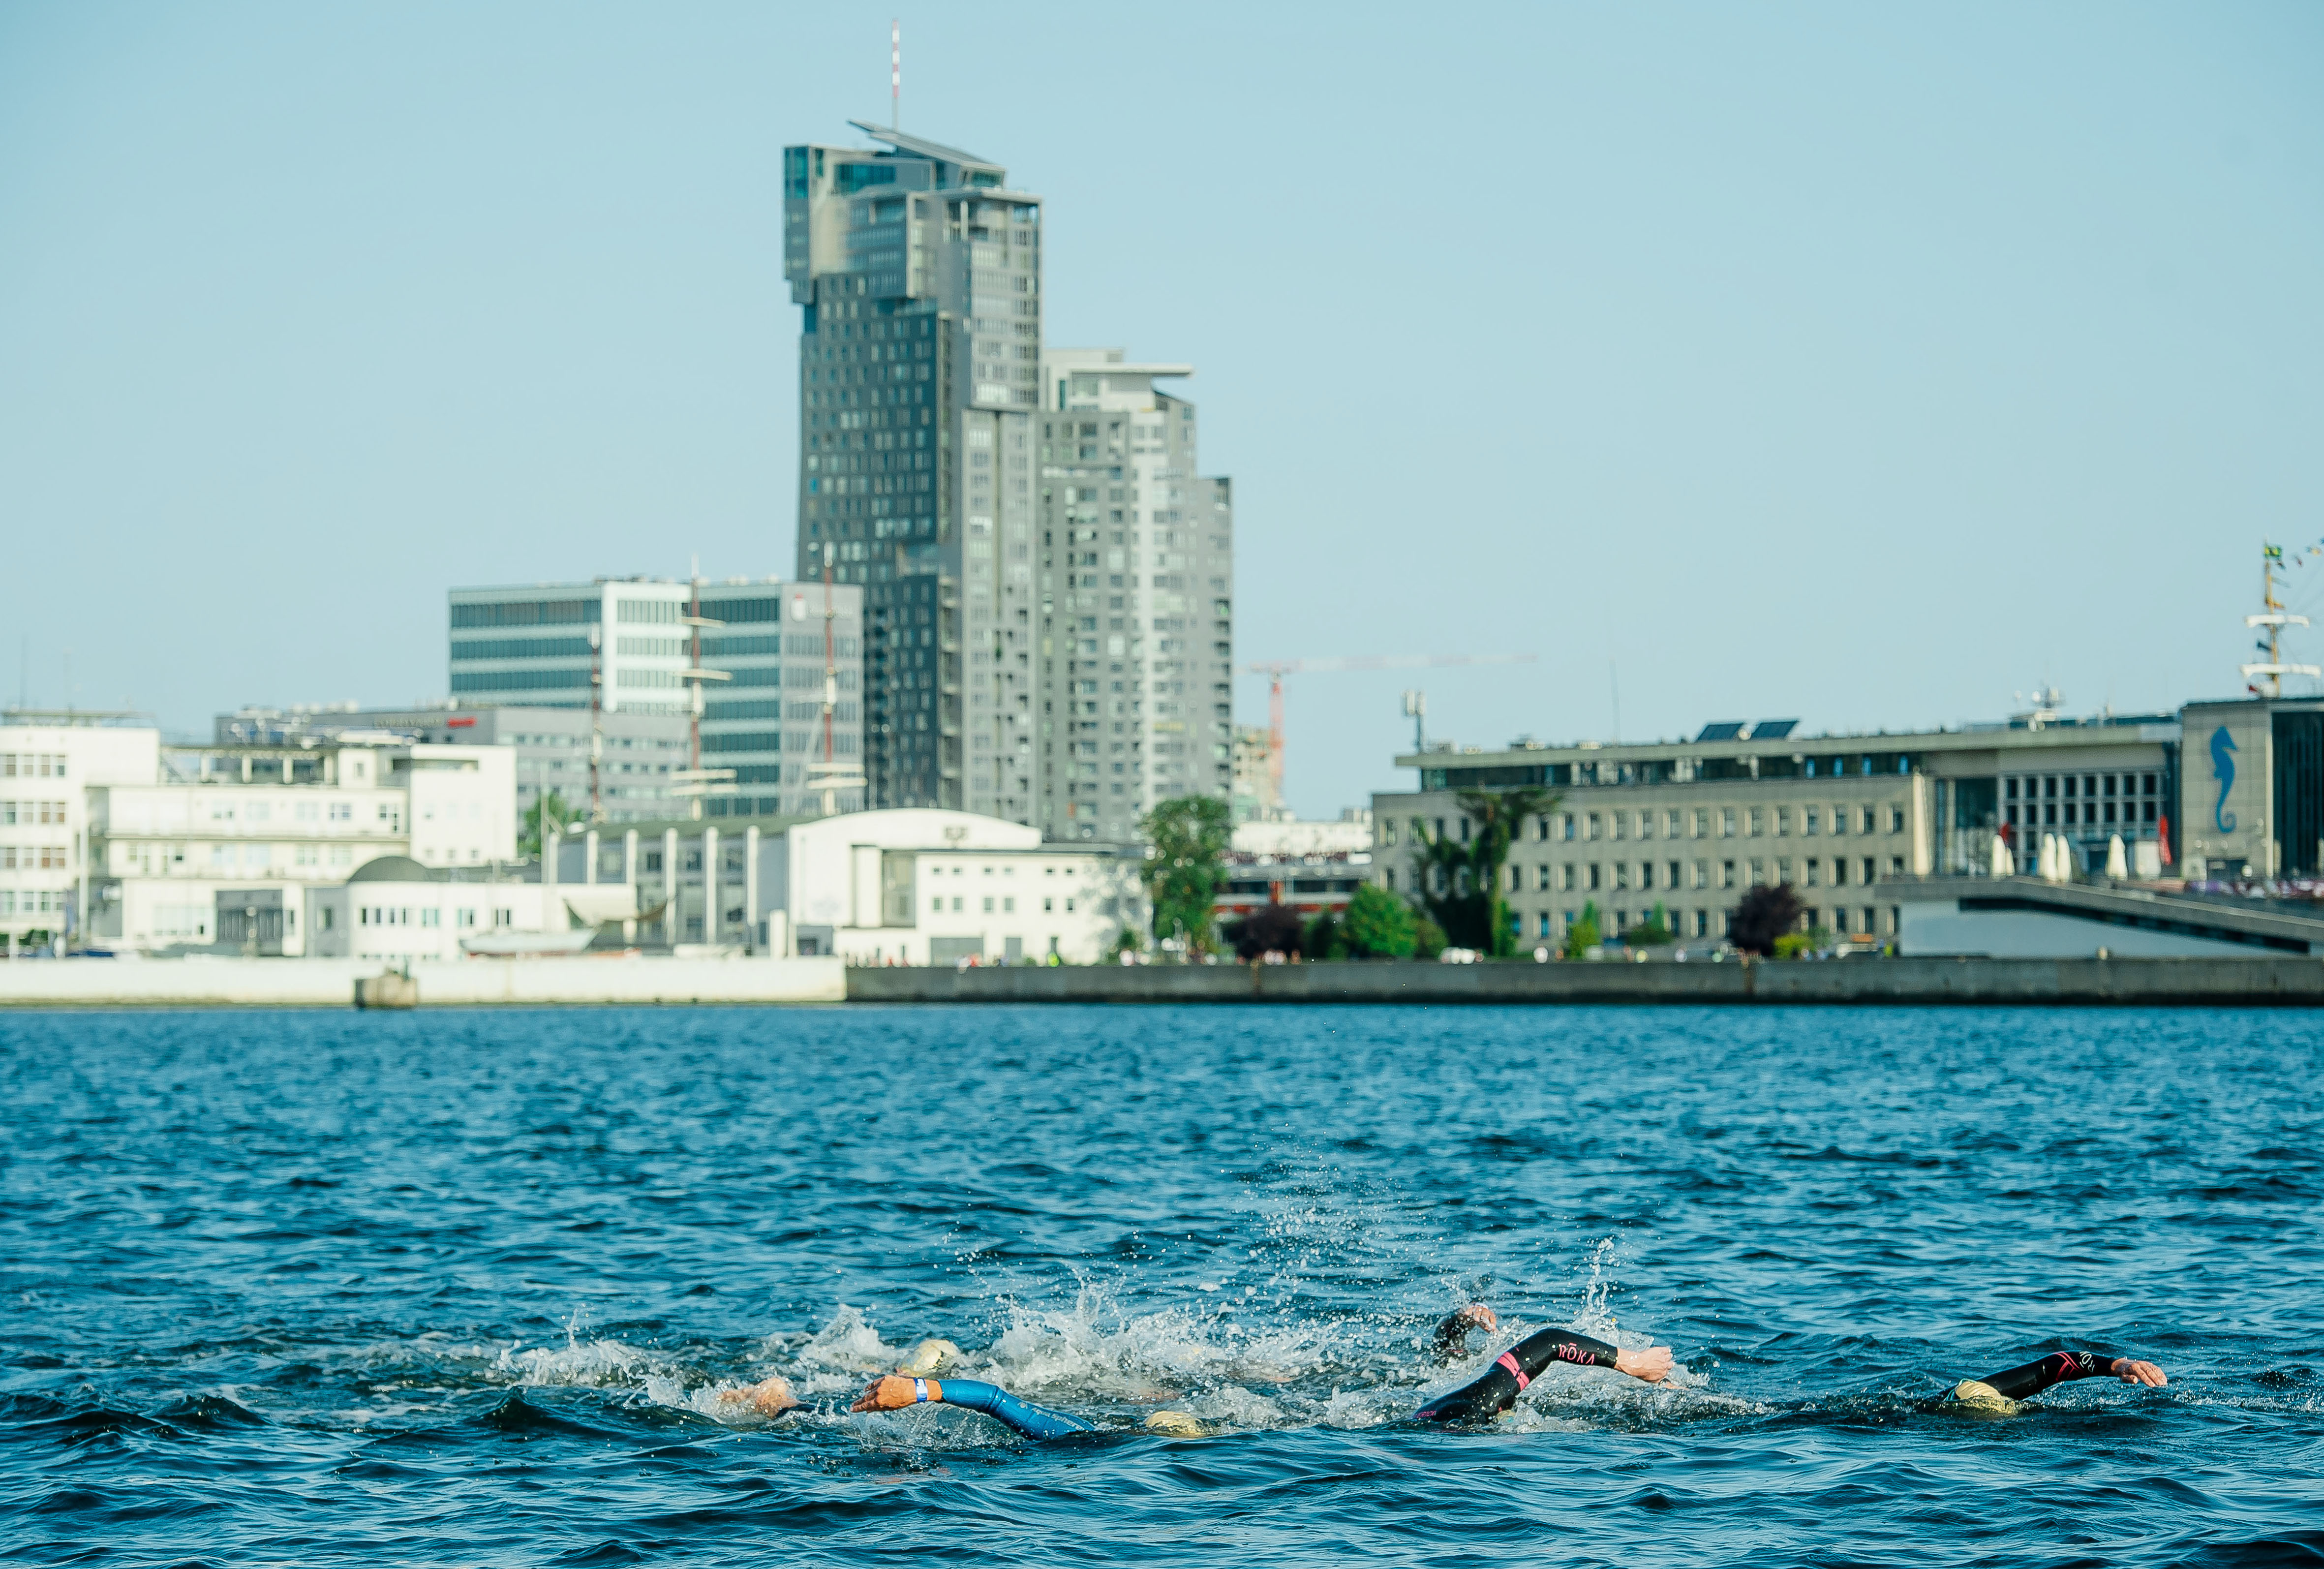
925	885
47	772
394	909
221	845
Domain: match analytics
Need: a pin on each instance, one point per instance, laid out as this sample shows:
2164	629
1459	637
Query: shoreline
2154	983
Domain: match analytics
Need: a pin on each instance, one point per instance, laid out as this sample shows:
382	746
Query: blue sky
1863	363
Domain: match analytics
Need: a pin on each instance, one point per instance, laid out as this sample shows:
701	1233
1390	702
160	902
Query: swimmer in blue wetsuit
896	1391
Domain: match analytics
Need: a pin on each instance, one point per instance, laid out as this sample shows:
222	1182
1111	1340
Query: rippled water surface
466	1288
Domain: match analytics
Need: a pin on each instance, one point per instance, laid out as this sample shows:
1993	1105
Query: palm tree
1459	883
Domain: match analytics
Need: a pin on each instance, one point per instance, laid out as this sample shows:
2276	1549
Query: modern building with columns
915	885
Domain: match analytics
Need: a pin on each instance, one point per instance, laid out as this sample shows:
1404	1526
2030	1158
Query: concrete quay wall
458	982
2190	983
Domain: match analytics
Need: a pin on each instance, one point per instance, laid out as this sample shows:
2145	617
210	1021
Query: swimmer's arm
1497	1390
1537	1351
2063	1366
894	1392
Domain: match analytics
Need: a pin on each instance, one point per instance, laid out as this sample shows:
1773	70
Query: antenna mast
2274	617
694	780
896	75
596	719
831	776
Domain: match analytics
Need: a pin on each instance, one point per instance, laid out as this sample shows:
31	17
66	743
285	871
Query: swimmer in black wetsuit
2001	1393
1480	1400
1494	1392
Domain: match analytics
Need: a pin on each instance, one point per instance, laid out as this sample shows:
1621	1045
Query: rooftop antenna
896	74
2274	618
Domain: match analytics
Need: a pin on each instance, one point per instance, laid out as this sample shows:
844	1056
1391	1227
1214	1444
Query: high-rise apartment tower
920	277
1137	557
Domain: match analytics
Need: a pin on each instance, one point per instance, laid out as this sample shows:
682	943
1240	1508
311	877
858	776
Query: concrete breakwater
2202	983
440	984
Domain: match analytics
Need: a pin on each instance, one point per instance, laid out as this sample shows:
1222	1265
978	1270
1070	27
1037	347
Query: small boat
507	945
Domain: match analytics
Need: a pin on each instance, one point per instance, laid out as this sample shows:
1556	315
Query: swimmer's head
928	1356
1176	1424
1973	1397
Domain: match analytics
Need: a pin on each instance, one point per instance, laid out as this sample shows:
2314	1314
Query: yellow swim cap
927	1356
1983	1400
1176	1424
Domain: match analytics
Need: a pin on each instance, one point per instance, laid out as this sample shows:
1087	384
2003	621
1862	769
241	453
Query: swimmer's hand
1478	1314
893	1393
2137	1372
1652	1365
771	1396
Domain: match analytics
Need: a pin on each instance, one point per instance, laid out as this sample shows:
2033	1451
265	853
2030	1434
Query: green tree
1460	882
1583	935
1427	939
1651	932
1324	938
1379	925
560	817
1188	839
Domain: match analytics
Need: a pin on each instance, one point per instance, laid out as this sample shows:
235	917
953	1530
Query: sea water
472	1286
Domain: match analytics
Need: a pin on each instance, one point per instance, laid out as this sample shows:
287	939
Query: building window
1727	874
1896	819
1726	822
1783	821
1593	876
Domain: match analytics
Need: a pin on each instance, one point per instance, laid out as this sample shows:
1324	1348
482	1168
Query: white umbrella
2118	860
2003	863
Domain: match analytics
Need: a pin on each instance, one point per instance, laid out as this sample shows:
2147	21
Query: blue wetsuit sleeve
1032	1421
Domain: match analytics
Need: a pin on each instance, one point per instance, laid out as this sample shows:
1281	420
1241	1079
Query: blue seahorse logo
2223	769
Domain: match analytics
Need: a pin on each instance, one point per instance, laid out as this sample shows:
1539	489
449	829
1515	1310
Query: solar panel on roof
1726	730
1771	729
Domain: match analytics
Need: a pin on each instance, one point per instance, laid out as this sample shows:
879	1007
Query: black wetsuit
1511	1371
2057	1368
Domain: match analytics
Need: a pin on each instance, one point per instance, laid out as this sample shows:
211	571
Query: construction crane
1275	669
